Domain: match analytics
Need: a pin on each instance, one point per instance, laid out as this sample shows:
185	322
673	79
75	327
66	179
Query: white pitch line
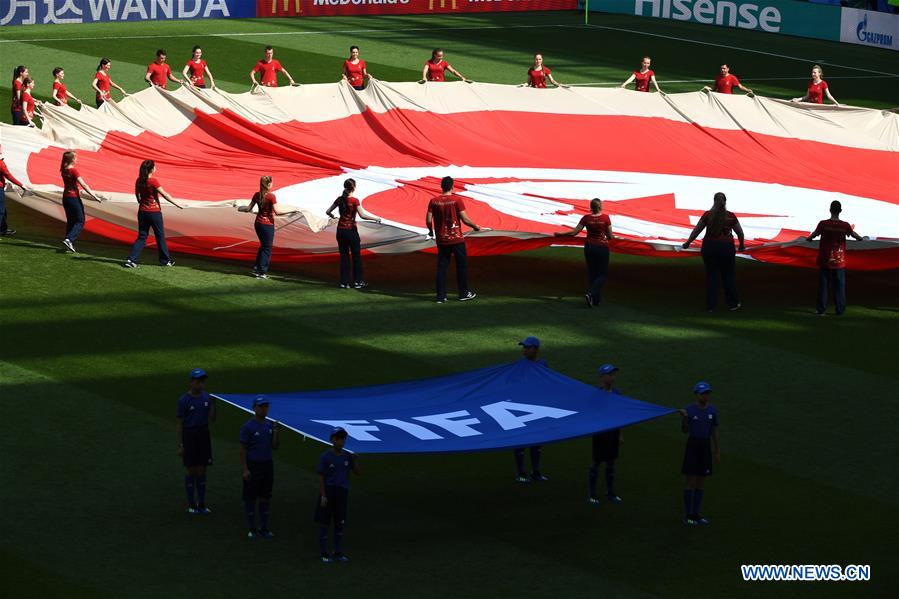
272	33
437	29
692	41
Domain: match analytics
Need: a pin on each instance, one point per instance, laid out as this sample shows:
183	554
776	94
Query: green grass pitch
94	357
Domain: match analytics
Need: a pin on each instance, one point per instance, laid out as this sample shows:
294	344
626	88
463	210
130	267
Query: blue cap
530	342
702	387
338	431
198	373
261	400
608	369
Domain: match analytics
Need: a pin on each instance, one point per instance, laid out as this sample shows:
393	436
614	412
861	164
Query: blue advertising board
46	12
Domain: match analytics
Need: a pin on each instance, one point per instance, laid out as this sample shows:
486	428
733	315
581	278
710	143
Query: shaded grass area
93	358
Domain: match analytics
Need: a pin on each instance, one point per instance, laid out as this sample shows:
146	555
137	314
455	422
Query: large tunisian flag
527	162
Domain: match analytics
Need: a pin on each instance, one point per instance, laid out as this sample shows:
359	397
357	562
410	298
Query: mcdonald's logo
442	4
286	3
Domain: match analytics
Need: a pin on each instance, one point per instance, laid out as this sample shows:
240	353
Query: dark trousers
444	254
99	101
597	257
348	242
837	278
3	225
74	217
18	118
146	221
535	452
720	259
266	235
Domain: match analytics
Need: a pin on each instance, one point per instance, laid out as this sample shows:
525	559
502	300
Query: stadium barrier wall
869	28
44	12
318	8
789	17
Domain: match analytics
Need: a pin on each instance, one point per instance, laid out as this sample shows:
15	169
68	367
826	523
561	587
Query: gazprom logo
871	37
745	15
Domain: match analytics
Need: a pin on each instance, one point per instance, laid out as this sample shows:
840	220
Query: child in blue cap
605	444
196	409
258	437
700	423
334	467
530	350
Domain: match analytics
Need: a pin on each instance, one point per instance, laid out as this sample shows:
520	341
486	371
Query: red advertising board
316	8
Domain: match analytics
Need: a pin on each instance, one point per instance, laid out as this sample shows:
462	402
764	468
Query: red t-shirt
642	80
148	195
197	72
266	215
724	84
353	72
347	218
816	91
103	84
6	175
447	223
27	102
726	232
269	72
61	93
597	226
435	71
538	78
70	182
159	73
832	249
16	102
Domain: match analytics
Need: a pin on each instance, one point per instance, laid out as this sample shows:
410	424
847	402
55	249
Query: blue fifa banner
789	17
46	12
511	405
869	28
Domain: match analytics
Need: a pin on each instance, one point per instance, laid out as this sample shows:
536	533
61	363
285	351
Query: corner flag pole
586	12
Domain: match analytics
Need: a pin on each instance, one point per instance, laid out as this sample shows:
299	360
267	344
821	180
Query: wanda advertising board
316	8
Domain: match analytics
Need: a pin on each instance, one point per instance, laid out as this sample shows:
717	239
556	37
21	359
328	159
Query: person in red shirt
159	72
718	254
832	258
354	71
725	82
6	176
446	213
268	208
434	69
103	82
643	77
539	73
348	235
28	101
149	215
71	198
196	70
817	89
18	75
60	94
596	249
269	68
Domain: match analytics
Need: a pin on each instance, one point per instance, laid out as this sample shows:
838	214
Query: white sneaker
69	246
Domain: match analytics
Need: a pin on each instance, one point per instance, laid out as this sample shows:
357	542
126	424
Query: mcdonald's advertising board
317	8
